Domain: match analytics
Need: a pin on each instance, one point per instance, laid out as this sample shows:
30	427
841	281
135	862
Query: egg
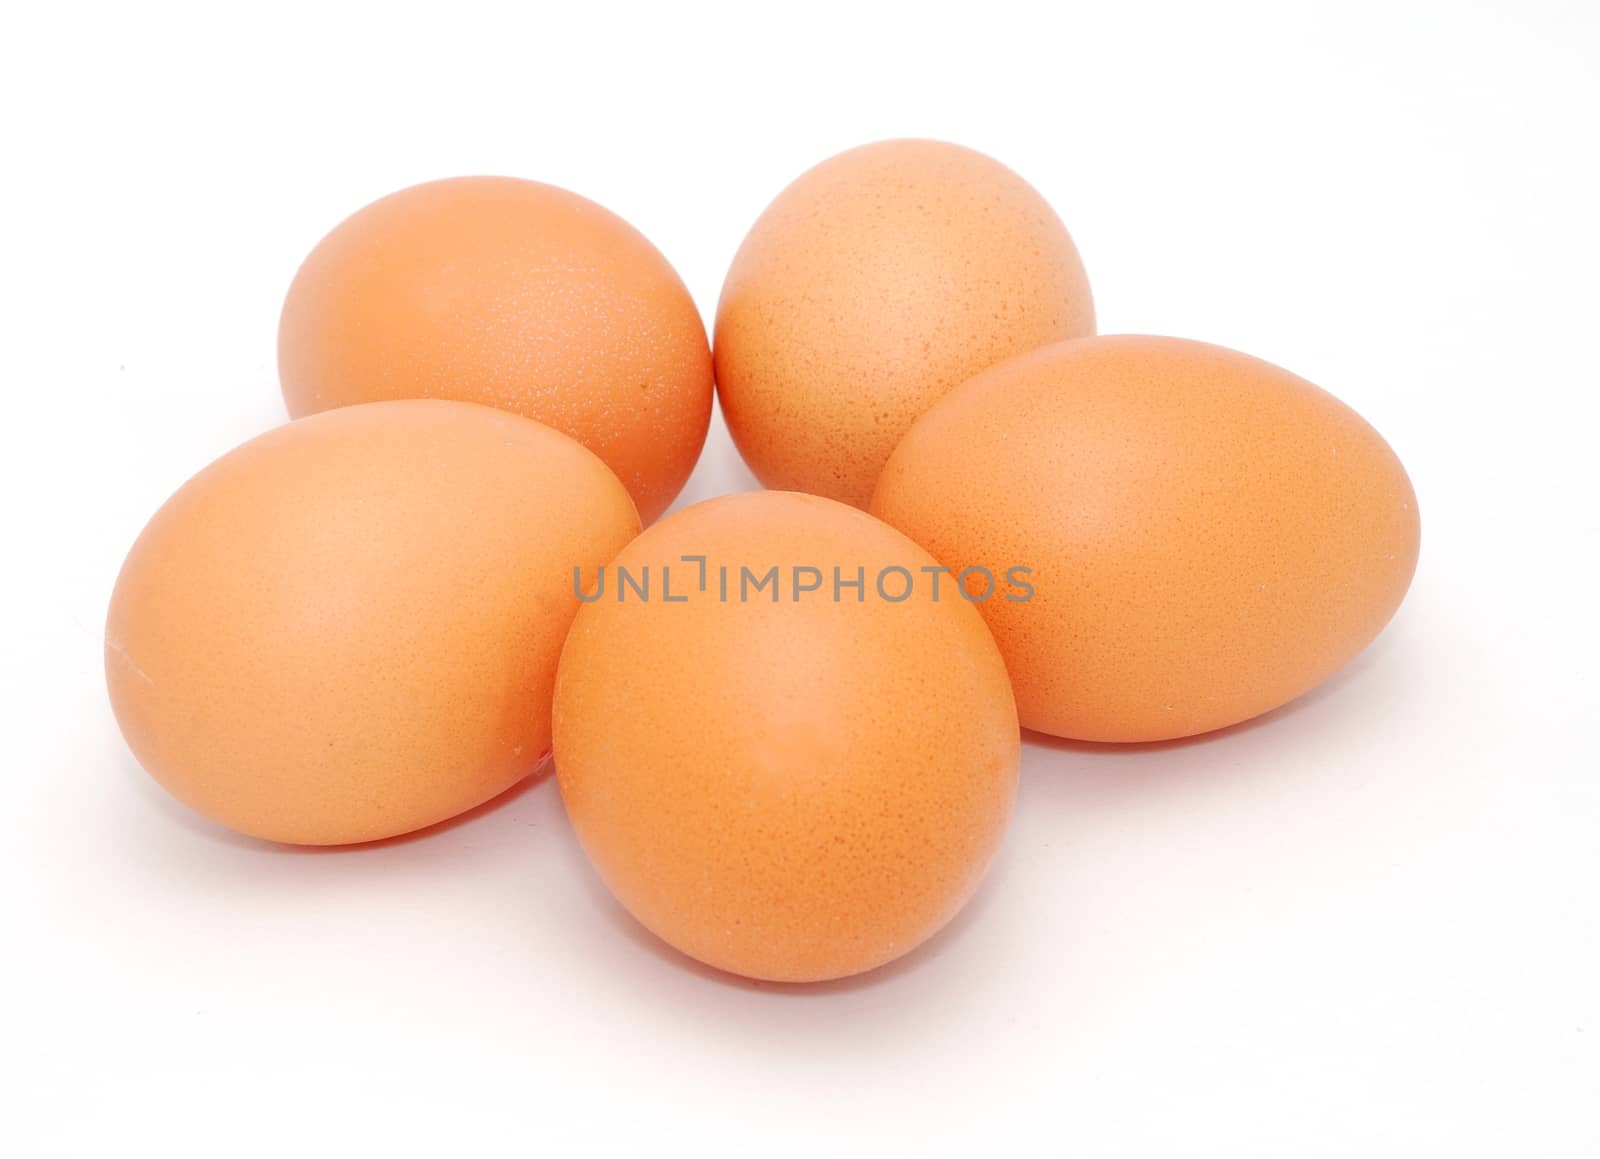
348	628
783	777
875	284
1180	537
514	294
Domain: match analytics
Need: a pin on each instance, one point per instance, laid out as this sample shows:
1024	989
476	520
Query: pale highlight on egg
348	628
796	783
514	294
1209	535
872	286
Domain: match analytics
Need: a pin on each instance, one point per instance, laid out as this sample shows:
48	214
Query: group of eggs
785	723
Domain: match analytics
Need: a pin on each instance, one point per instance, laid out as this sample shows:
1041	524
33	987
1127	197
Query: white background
1364	926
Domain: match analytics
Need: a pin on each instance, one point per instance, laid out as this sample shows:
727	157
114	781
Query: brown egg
348	628
778	782
514	294
873	285
1200	535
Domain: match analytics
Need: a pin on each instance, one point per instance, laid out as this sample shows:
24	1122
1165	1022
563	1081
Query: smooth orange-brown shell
792	790
348	628
872	286
514	294
1209	535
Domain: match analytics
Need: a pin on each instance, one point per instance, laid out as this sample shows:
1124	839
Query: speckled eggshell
514	294
791	790
348	628
873	285
1210	535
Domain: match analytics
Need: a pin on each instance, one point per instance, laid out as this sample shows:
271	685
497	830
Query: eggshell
871	287
348	628
785	786
1209	535
514	294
